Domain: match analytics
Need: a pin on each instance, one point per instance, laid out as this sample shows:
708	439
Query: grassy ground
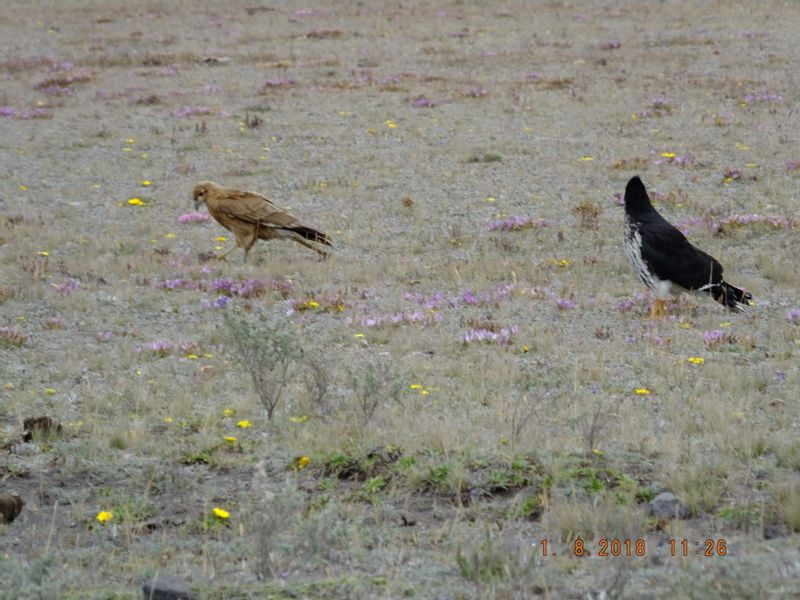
478	372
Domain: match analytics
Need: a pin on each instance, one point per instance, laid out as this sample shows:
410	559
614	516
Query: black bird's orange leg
657	309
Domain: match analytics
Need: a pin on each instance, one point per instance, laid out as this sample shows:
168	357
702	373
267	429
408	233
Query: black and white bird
666	261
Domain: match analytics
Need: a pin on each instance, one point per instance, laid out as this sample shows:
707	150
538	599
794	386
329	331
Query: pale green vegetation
458	382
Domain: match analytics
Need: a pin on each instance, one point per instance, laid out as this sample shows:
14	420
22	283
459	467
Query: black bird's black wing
669	255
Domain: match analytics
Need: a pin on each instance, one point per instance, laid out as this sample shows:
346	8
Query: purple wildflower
280	82
36	113
12	336
502	336
749	35
167	71
423	102
625	305
791	165
223	285
193	217
564	304
178	284
761	97
793	316
476	93
68	286
190	111
714	338
612	45
469	298
159	347
7	111
104	336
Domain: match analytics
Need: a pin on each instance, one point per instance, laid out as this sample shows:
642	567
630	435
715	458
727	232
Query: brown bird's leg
222	256
247	243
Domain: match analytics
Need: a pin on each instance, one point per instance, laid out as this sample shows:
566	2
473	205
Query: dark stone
10	506
668	506
775	531
167	587
41	427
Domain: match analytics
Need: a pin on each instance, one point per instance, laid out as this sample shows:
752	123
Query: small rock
10	506
408	519
167	587
668	506
772	532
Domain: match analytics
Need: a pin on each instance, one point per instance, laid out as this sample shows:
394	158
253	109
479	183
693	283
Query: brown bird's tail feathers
310	234
732	297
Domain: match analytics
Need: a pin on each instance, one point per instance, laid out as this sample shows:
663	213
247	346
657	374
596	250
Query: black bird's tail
732	297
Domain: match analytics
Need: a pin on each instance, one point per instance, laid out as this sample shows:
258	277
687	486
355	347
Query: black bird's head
636	199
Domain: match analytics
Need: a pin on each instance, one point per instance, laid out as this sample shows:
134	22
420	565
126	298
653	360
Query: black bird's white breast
633	248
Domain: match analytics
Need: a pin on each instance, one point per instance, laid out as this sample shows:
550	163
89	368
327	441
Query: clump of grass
11	337
492	560
267	352
372	382
487	157
588	214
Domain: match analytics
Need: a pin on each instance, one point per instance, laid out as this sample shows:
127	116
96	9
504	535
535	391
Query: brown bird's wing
251	208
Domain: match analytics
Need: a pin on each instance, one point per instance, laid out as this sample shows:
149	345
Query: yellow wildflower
49	391
220	238
228	412
230	439
668	154
312	304
22	187
104	515
168	419
302	462
170	235
415	386
424	392
597	452
696	360
358	335
642	391
146	183
390	124
490	199
136	202
587	158
192	356
244	424
43	253
130	141
221	513
299	419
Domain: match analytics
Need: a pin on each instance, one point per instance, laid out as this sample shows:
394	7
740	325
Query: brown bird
250	217
10	506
